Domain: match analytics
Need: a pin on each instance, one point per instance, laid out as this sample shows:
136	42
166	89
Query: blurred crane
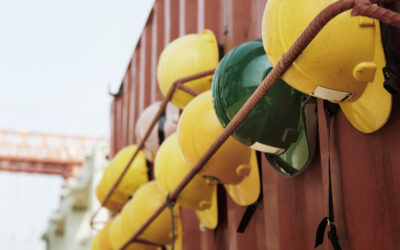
31	152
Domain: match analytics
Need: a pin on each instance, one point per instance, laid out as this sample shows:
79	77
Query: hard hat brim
209	217
372	110
247	191
299	154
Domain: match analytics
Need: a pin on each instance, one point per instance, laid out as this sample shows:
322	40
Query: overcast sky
57	59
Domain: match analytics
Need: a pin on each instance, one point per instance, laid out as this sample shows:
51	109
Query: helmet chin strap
330	111
171	204
161	125
391	69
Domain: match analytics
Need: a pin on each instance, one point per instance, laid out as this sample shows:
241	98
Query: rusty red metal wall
366	167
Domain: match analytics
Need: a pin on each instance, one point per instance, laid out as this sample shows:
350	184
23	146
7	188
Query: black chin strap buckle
391	83
332	235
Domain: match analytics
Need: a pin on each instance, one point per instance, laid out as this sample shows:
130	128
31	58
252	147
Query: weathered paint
366	177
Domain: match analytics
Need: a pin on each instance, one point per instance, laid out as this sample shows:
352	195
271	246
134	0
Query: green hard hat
278	125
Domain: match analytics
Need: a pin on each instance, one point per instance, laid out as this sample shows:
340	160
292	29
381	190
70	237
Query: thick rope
369	10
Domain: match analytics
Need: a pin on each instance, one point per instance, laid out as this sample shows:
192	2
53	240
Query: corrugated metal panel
365	176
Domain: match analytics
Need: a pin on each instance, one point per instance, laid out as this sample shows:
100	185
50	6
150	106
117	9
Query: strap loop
391	79
161	125
332	236
149	166
390	71
319	239
330	110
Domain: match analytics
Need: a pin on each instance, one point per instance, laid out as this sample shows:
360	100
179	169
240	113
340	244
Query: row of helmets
345	68
137	197
134	214
282	126
138	172
171	151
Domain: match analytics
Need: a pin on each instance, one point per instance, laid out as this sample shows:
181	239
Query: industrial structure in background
69	226
41	153
79	160
365	173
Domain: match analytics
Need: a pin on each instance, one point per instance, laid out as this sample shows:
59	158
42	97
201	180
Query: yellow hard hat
121	232
342	64
165	126
185	56
133	179
104	237
115	203
170	168
198	128
95	243
144	203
